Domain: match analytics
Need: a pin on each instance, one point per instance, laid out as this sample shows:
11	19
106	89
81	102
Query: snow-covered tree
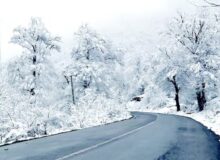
93	66
32	72
196	37
137	83
169	73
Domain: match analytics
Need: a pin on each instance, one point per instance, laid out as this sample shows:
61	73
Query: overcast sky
119	19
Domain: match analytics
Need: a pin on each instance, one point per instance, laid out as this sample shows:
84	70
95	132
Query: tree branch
212	4
209	4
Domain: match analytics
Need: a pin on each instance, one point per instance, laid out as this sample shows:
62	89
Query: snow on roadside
99	112
210	117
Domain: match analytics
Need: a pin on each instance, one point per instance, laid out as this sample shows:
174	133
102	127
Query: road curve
144	137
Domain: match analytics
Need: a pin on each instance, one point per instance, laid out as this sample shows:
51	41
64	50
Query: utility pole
73	96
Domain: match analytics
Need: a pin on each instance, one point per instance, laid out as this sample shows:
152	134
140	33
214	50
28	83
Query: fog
125	22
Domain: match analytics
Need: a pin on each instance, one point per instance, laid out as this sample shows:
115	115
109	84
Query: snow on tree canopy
94	64
196	40
35	37
33	69
92	47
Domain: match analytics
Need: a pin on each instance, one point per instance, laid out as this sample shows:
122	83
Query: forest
45	91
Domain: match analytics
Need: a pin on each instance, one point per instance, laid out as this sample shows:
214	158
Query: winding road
146	136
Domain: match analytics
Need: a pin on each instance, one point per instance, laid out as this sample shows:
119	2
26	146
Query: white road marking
105	142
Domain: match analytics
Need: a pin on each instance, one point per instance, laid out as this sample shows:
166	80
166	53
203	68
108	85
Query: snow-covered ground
98	112
210	117
26	123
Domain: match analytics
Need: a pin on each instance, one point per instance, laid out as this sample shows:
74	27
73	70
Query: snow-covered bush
95	109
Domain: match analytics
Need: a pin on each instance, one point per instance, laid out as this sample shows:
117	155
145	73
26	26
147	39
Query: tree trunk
73	96
201	98
177	89
34	74
177	102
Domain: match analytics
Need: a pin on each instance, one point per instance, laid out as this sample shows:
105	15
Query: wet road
145	137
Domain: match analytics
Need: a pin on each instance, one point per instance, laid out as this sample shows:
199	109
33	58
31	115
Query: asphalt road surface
144	137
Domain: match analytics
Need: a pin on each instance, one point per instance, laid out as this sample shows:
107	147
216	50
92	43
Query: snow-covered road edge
208	118
122	117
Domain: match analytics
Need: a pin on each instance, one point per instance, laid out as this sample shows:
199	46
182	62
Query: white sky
115	18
